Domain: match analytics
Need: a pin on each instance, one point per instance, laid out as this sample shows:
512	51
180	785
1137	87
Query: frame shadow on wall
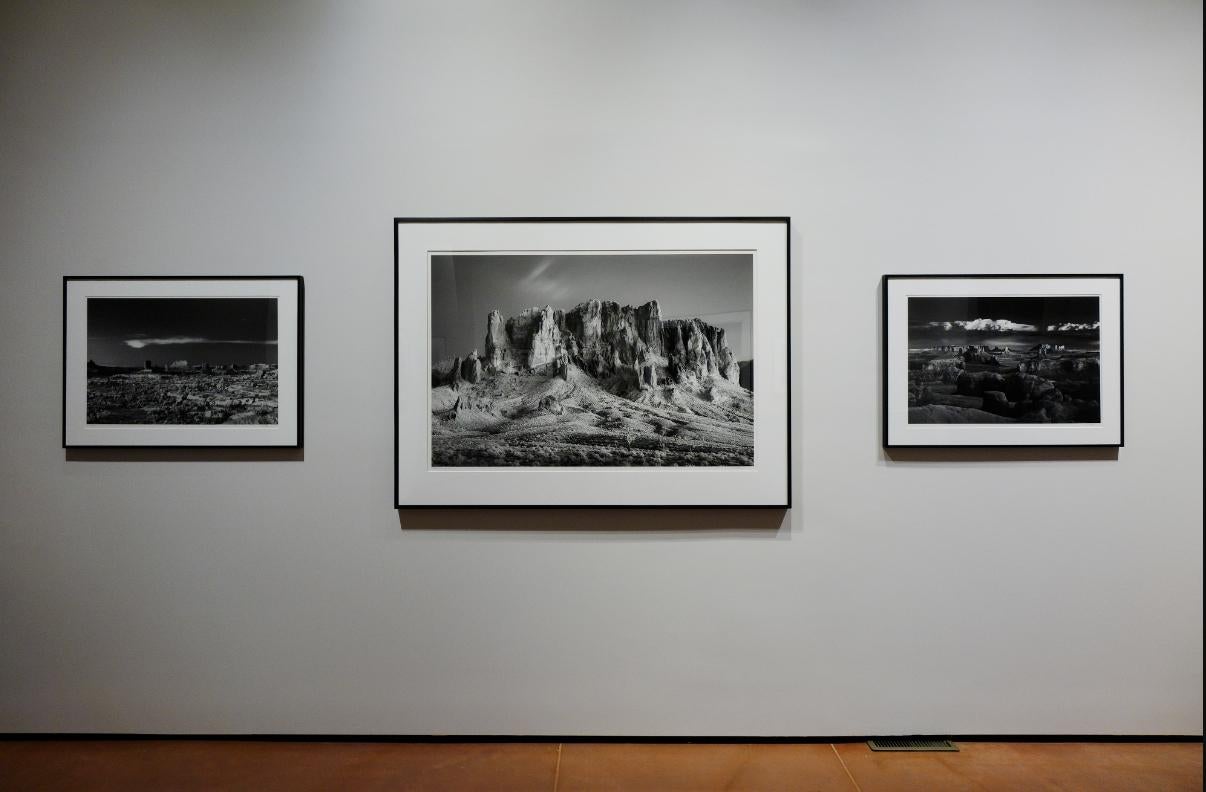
1027	454
186	454
628	522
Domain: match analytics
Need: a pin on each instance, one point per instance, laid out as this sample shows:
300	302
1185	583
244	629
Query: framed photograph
603	362
182	362
1002	360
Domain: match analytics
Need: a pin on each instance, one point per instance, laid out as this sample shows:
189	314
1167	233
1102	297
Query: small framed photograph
592	362
1002	360
182	362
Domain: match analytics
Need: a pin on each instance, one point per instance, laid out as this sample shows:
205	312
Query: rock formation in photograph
1045	383
598	384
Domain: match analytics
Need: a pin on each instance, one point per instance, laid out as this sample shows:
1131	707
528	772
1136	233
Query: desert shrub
663	426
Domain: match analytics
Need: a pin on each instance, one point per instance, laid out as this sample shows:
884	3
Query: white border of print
79	433
765	483
901	433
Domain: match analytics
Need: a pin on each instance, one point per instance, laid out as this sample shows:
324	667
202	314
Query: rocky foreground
189	397
982	384
598	385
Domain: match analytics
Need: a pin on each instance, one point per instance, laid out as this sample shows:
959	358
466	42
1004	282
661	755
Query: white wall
975	592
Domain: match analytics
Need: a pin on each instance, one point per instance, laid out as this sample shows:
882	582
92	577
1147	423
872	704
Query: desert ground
241	396
573	419
1044	383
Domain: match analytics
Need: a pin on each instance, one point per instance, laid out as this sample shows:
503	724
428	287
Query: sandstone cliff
608	340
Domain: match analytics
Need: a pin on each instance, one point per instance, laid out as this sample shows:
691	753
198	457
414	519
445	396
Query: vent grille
910	744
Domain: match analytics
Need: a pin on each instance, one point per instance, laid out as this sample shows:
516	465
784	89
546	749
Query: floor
463	767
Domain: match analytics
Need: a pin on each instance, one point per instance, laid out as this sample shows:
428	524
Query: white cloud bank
1072	327
987	325
139	343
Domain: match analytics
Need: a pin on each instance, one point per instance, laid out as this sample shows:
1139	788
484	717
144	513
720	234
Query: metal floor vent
910	744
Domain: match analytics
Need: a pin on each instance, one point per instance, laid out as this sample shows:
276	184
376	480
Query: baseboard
578	738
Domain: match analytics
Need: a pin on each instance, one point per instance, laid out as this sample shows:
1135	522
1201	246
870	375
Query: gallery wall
278	592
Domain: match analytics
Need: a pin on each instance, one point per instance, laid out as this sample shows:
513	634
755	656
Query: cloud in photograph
1073	327
986	326
139	343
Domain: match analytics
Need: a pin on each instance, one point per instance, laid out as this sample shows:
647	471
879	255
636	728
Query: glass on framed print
592	362
182	362
1002	360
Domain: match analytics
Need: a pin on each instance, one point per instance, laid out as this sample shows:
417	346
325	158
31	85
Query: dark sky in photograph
1004	320
1038	311
465	288
214	330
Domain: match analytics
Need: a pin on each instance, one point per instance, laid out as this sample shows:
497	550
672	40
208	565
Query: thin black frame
999	276
301	357
785	220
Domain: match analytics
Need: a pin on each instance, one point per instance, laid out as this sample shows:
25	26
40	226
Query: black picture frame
299	361
783	503
886	325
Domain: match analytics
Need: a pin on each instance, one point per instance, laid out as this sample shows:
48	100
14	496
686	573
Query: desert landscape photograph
980	360
182	361
608	360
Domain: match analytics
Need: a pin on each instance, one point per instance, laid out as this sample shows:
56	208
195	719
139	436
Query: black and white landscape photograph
182	360
609	360
982	360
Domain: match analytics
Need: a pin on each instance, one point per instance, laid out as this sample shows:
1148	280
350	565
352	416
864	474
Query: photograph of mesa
182	361
592	360
1035	361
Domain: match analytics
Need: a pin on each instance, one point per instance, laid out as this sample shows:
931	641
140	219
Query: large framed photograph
1002	360
182	362
592	362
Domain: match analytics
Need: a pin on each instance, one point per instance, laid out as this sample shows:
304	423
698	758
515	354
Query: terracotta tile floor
664	767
